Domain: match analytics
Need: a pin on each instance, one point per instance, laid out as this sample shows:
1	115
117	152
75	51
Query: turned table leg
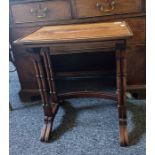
121	89
47	91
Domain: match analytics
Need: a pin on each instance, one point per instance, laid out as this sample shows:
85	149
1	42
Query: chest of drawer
138	28
41	11
93	8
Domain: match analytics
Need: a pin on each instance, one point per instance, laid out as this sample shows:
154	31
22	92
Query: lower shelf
104	87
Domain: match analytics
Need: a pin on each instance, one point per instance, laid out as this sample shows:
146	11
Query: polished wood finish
40	44
78	33
135	80
92	8
47	91
133	12
138	26
41	11
121	90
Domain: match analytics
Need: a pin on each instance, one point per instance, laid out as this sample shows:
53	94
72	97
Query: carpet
81	127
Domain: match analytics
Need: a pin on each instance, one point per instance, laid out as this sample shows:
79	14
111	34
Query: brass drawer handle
41	13
101	7
41	16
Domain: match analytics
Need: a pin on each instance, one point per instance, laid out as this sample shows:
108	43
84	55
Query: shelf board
86	87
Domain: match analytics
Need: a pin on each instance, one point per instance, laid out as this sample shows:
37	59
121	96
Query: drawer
93	8
41	11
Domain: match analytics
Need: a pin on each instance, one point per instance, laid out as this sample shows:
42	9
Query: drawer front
41	11
93	8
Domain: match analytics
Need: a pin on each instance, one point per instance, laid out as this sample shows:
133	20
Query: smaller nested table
78	38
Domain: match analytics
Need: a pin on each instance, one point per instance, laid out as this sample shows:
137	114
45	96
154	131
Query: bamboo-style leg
121	89
51	81
53	103
50	74
45	133
48	128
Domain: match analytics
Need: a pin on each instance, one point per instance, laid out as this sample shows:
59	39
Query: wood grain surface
76	32
88	8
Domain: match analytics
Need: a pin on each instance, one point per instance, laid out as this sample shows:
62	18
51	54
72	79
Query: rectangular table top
78	32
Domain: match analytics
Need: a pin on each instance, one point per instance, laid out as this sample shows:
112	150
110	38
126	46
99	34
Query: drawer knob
102	8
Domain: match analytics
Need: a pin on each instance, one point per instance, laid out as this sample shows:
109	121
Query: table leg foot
46	130
123	133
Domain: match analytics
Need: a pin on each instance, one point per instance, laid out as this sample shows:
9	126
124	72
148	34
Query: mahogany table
42	44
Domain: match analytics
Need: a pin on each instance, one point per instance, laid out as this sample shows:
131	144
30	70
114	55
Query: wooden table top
78	32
